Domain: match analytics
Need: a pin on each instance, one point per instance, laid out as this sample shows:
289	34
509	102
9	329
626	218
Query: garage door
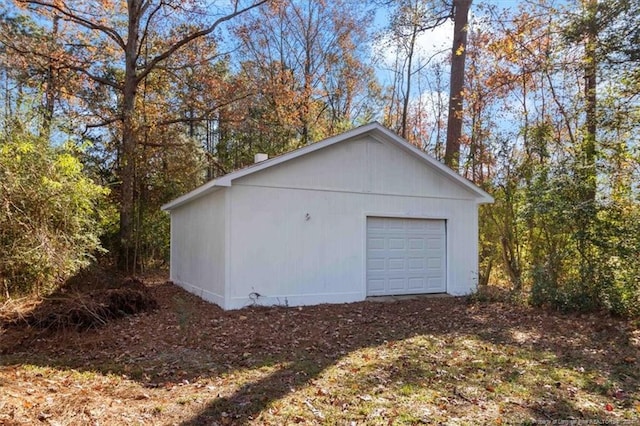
405	256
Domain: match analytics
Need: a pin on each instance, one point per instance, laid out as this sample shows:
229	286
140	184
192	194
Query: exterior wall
198	237
297	231
364	165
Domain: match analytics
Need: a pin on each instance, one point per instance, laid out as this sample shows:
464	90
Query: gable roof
374	130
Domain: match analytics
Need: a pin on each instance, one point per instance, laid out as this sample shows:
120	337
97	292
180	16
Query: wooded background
110	109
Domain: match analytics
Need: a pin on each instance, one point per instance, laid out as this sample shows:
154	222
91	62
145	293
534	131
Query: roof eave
486	200
195	194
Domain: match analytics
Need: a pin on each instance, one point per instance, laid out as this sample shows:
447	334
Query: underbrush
78	306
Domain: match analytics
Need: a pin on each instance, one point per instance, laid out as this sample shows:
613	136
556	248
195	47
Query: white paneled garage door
405	256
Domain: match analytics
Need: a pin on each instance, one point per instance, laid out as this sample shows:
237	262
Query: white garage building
360	214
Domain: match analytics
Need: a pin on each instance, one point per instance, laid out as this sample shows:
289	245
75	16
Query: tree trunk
92	19
587	161
456	94
129	143
50	92
590	77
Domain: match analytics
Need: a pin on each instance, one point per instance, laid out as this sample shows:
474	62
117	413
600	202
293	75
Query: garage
405	256
360	214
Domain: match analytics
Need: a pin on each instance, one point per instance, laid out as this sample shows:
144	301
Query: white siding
198	246
276	252
362	165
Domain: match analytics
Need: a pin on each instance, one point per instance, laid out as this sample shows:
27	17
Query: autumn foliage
163	95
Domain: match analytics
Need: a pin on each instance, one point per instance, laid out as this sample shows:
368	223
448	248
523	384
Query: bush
608	279
49	215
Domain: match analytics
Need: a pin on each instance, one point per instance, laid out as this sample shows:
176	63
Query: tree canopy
536	103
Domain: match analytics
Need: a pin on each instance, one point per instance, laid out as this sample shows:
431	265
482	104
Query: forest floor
419	361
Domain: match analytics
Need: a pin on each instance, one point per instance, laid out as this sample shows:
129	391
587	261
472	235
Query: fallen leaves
410	362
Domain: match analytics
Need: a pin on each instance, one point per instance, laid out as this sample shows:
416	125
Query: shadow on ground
186	340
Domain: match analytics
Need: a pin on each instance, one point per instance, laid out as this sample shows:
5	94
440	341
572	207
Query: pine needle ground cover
420	361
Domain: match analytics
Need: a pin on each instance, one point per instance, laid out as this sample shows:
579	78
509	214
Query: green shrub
49	215
608	279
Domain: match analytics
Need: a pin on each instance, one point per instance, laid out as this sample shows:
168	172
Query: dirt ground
417	361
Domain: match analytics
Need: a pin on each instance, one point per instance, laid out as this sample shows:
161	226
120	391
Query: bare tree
409	20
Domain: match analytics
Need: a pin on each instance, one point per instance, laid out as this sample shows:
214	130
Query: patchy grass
422	361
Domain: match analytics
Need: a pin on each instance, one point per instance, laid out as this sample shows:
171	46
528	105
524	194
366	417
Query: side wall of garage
198	246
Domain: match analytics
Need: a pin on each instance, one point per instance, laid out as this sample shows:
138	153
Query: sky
434	44
439	39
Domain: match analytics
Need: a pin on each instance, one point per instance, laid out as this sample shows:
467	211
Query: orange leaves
510	55
300	60
321	392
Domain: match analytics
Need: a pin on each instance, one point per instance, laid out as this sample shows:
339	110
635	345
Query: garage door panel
434	225
416	264
416	283
396	243
397	225
405	256
434	243
434	283
376	285
416	243
415	225
375	223
375	243
396	264
433	275
434	263
376	264
397	283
